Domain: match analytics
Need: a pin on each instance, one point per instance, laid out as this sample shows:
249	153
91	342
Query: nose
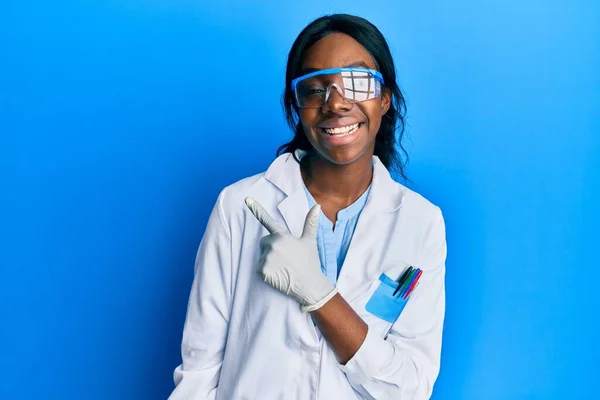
335	100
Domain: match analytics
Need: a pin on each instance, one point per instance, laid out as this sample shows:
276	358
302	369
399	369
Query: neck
342	184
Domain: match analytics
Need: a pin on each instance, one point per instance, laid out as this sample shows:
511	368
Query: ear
386	100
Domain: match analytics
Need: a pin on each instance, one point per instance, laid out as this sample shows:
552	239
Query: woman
293	295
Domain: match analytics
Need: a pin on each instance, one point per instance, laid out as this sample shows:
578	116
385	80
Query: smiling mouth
342	131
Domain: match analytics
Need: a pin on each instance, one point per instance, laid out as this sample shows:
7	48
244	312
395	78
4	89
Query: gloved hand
290	264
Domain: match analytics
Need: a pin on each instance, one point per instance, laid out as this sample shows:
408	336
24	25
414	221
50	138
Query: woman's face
335	51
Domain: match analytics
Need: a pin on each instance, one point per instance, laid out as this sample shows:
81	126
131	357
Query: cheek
307	118
374	116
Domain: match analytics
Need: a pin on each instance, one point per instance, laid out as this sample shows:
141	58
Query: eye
311	91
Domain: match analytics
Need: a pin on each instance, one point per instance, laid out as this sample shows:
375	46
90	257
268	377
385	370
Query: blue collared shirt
333	244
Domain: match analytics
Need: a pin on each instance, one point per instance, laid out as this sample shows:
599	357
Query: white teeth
345	130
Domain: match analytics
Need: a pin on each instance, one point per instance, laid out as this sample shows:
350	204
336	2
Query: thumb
311	224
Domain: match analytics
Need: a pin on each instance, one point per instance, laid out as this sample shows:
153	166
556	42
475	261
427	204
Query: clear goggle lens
353	84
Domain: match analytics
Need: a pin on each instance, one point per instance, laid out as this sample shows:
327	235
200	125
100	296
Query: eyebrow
356	64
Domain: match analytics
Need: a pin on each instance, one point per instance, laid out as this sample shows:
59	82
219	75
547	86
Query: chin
343	155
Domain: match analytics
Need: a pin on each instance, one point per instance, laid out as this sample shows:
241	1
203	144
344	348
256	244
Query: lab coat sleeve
207	319
406	364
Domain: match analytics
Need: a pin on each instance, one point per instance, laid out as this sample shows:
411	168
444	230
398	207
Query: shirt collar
345	213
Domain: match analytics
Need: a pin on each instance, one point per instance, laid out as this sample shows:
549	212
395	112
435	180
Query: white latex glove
290	264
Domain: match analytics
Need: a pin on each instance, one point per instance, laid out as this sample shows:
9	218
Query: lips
339	126
341	135
342	130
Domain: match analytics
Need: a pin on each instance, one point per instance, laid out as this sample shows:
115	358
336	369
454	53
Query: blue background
120	121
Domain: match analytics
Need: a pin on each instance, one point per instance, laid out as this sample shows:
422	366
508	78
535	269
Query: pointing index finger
263	216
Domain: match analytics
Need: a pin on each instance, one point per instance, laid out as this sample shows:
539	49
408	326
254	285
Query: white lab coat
244	339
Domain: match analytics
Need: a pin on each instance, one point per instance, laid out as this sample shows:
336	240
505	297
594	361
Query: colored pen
410	281
415	282
415	288
402	279
407	281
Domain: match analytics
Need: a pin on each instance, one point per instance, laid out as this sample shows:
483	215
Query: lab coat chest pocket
377	306
384	303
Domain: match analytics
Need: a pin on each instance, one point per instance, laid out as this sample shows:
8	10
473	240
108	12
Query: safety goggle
353	84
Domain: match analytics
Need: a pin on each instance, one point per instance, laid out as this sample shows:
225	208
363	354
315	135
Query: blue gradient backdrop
120	121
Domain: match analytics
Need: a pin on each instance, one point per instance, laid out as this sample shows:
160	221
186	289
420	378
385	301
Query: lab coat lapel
284	173
294	209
